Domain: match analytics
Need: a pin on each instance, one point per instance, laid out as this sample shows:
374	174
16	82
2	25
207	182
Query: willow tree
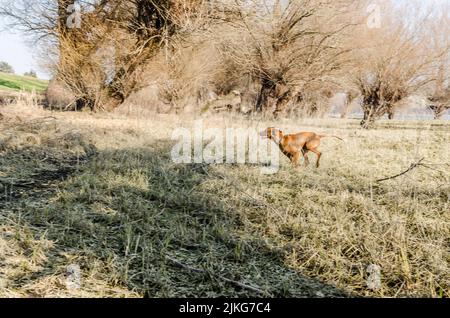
101	59
439	102
395	61
291	48
438	93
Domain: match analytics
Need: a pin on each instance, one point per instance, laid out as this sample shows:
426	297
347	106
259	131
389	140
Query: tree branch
413	165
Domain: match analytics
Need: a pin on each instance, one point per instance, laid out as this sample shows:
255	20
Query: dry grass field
100	191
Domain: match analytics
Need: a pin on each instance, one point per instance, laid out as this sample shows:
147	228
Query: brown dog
296	145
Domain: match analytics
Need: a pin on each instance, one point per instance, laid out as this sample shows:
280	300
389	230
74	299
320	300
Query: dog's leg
295	159
319	154
305	156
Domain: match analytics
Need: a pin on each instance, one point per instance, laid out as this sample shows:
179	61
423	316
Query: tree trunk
373	110
439	110
263	97
391	114
368	117
283	96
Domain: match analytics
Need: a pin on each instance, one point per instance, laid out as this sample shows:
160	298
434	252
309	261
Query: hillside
12	82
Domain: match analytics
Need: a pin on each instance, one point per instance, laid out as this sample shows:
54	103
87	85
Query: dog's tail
324	136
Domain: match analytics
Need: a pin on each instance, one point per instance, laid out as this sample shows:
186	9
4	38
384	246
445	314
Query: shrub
6	68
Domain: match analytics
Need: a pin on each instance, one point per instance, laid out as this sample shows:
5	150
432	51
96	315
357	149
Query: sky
17	52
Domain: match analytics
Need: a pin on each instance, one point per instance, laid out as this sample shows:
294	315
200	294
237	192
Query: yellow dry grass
124	210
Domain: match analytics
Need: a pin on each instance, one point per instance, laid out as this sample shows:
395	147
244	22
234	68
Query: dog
297	145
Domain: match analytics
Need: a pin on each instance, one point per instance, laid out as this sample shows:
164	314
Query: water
402	116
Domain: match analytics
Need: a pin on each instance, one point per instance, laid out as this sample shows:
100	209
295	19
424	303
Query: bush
58	96
6	68
31	73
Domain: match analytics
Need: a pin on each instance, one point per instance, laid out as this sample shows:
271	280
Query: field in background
101	192
15	83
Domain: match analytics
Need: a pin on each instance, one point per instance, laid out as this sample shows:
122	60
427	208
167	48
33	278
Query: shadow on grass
135	219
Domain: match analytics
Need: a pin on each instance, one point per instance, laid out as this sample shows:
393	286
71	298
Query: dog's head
272	133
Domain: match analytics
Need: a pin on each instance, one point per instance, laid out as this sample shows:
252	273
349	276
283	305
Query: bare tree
291	56
101	60
438	93
289	49
394	62
439	102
